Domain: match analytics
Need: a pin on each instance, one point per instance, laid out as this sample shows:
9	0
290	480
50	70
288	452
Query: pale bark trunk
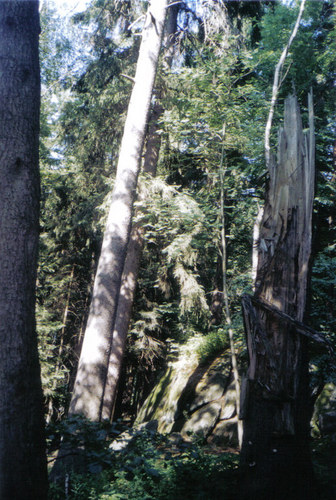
275	458
87	398
127	290
23	471
135	245
255	246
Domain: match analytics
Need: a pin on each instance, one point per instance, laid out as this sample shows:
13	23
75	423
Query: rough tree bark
128	286
23	471
275	457
87	398
135	245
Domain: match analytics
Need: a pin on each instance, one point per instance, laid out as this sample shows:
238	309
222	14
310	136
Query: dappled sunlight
146	274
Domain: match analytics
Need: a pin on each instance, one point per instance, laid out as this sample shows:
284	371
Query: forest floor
150	466
324	460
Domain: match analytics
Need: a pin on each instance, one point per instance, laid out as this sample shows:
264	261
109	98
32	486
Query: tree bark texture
275	458
23	471
87	398
128	286
135	245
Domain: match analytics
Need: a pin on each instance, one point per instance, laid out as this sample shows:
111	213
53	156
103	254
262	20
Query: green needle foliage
221	76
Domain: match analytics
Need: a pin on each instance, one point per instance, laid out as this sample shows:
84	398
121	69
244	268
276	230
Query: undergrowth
154	467
149	468
324	461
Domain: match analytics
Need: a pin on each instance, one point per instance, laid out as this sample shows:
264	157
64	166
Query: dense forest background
209	107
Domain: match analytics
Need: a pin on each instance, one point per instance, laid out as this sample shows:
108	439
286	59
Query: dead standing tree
275	457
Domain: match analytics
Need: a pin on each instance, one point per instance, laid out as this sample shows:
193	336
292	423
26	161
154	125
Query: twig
130	78
174	3
70	454
136	21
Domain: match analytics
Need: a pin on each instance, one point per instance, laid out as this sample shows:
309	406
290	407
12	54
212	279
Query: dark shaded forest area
184	287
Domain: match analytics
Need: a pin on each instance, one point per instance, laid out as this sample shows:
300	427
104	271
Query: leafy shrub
214	343
151	468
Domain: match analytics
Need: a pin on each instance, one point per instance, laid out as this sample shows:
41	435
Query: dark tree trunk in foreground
275	458
23	473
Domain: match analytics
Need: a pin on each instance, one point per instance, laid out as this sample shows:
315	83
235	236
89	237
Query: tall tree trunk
135	245
128	286
60	348
23	471
87	398
222	171
255	244
275	457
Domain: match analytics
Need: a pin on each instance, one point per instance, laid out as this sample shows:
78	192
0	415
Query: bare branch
277	84
173	3
142	17
130	78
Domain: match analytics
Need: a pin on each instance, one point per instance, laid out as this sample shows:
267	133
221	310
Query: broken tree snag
275	457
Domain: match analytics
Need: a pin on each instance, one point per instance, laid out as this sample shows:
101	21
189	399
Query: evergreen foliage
227	83
222	74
